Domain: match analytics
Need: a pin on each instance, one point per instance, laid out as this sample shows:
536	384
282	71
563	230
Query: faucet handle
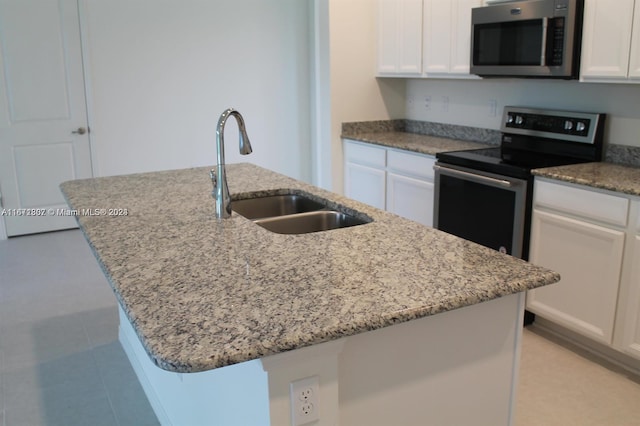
214	179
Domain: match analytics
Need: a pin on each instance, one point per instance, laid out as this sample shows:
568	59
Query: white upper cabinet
400	37
424	37
447	36
611	41
634	57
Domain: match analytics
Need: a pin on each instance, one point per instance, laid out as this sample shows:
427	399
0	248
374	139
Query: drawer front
364	154
586	203
417	165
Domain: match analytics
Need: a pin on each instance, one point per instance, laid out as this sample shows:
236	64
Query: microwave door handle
543	53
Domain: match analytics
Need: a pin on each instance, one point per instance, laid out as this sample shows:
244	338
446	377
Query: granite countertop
614	177
203	293
420	136
424	144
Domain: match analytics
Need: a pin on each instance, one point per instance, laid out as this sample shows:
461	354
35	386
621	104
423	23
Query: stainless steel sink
274	205
304	223
295	214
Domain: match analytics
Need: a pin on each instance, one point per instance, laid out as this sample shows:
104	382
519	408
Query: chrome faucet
219	175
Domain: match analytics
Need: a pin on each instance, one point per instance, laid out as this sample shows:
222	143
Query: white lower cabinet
364	173
411	198
630	341
398	181
592	238
366	184
589	259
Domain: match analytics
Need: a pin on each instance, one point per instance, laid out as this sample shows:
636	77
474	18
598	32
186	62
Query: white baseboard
597	352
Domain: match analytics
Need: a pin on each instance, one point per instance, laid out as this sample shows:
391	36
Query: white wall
161	72
469	102
354	93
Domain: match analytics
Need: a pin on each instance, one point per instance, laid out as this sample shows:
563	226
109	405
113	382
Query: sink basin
296	214
274	205
303	223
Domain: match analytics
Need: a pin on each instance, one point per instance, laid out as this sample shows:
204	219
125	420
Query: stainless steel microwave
527	38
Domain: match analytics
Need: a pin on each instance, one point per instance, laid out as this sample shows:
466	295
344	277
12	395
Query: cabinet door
364	173
437	36
410	198
461	35
400	37
366	184
589	260
387	36
447	36
631	336
606	39
634	59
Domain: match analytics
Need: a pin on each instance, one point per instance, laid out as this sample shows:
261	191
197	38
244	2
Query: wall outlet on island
305	402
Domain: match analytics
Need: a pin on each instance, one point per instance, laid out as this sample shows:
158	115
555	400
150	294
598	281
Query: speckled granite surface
423	144
430	138
419	136
614	177
203	293
623	154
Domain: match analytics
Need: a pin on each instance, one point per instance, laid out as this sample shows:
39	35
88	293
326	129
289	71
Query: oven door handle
474	177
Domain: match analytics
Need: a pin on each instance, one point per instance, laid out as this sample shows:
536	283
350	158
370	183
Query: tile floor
61	362
562	385
60	359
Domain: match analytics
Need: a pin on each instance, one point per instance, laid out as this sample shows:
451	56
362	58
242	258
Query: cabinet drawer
582	202
364	154
411	164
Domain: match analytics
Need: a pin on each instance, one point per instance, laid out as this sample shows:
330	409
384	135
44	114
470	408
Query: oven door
486	208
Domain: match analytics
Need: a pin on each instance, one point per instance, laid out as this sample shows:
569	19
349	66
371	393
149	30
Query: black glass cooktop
503	161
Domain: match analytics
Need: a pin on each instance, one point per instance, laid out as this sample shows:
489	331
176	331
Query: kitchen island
397	322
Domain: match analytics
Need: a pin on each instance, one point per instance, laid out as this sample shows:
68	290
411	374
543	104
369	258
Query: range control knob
509	118
519	119
568	125
580	126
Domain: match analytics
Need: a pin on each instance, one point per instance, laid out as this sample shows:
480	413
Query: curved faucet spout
219	175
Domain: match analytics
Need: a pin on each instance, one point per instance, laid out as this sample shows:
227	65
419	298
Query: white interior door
43	116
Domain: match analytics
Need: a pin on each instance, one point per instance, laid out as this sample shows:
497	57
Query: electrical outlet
427	103
305	402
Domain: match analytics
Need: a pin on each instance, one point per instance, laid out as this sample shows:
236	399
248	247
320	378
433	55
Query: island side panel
232	395
459	367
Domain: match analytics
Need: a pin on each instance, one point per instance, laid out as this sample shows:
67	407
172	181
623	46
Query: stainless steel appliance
528	38
484	195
